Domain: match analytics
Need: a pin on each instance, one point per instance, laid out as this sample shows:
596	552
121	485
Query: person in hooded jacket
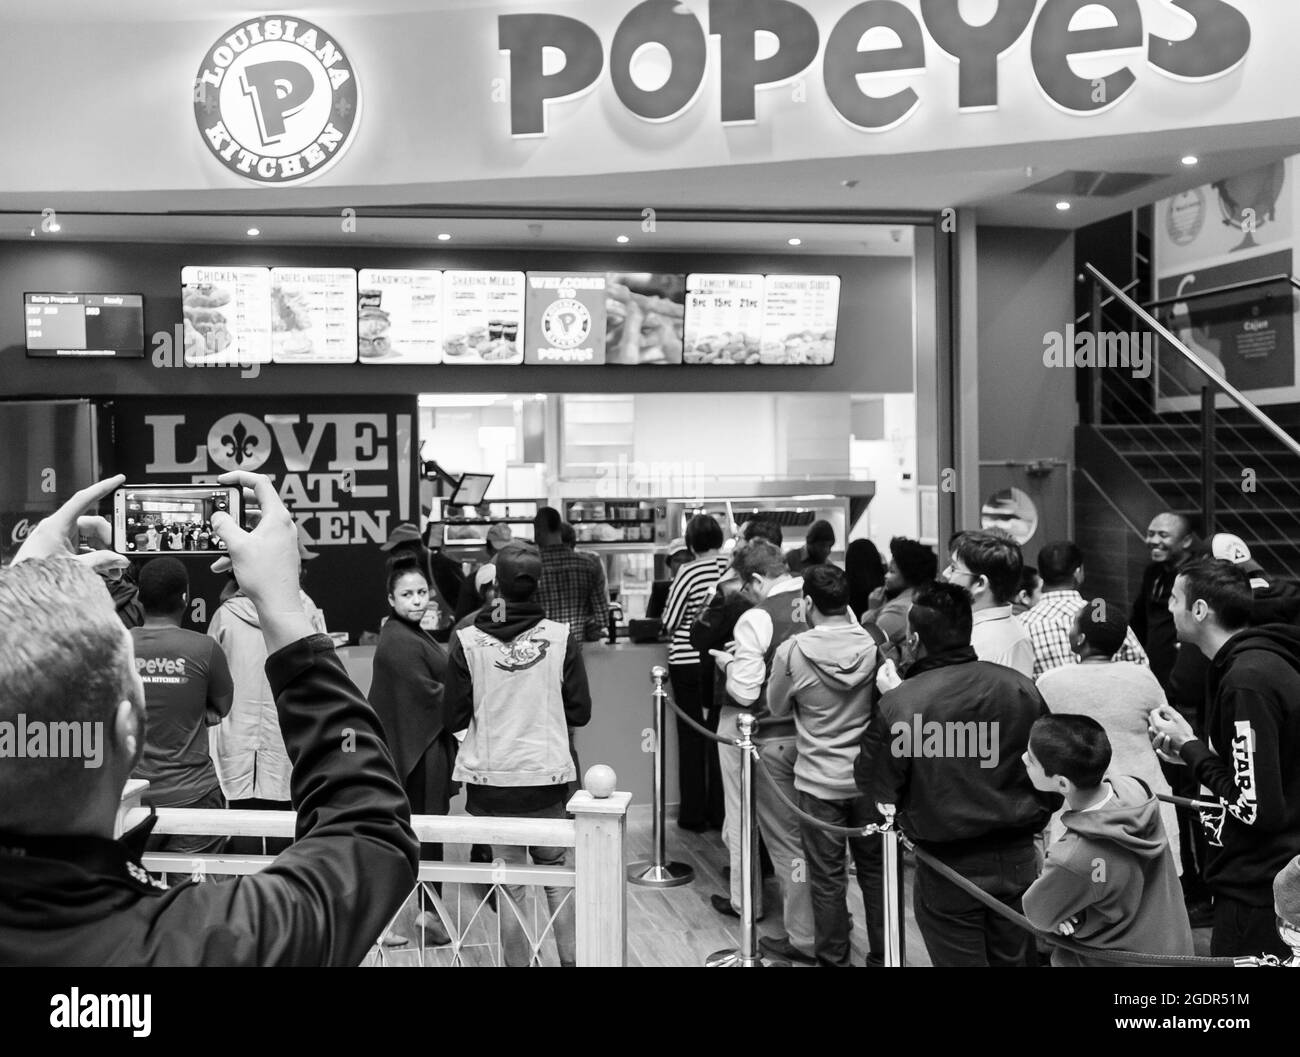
1111	881
825	677
1250	758
406	693
247	746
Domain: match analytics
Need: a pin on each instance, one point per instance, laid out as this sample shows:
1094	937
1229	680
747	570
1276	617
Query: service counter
621	712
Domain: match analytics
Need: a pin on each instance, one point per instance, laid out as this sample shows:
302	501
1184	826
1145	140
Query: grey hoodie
825	677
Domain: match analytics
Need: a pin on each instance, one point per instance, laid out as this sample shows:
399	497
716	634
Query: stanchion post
747	956
659	872
893	898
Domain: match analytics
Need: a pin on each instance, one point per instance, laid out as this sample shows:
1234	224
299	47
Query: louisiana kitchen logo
276	100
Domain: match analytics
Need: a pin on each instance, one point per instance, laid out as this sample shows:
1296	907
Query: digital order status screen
84	324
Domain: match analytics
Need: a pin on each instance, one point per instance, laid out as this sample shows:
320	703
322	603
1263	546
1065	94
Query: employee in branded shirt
187	688
70	894
1252	760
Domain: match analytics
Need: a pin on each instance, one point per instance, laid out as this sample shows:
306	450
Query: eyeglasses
953	569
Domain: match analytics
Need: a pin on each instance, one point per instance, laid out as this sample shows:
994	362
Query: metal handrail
1127	287
1228	288
1218	381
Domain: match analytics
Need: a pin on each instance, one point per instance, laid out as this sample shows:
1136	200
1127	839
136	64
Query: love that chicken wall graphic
344	467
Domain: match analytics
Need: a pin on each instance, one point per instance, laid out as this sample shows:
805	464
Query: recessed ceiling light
795	242
55	227
848	183
254	232
444	237
1064	207
622	239
1191	159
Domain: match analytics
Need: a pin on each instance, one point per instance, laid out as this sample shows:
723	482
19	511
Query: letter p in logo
277	90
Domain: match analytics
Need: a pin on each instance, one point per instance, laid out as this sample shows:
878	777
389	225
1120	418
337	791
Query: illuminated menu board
227	315
399	316
483	315
565	318
644	317
800	315
313	315
724	318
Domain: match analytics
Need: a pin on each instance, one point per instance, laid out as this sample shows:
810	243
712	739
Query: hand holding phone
57	535
174	519
888	678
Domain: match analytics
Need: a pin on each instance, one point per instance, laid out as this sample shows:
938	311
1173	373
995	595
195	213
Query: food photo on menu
483	317
644	317
724	318
226	315
313	315
399	316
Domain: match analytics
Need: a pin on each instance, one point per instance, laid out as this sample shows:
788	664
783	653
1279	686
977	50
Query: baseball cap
499	534
486	573
518	570
1286	892
404	533
1228	547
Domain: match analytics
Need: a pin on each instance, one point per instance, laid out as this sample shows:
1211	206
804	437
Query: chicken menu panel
399	316
227	315
313	315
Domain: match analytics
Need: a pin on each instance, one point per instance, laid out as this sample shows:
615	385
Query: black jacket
1253	726
712	630
946	798
1152	622
86	901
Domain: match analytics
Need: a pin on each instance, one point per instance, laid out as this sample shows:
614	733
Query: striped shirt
691	590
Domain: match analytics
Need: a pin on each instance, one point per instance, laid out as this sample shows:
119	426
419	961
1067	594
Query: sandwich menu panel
399	316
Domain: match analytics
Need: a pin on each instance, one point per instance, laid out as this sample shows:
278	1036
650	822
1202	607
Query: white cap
485	575
1227	547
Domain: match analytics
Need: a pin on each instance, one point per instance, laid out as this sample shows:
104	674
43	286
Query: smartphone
171	518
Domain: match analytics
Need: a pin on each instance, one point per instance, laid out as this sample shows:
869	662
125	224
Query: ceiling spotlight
54	227
444	237
1064	207
1191	159
254	232
795	242
622	239
849	183
33	233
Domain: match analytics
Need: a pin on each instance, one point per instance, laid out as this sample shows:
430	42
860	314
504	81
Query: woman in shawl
406	693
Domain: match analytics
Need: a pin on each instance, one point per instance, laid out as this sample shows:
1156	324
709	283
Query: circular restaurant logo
566	323
276	100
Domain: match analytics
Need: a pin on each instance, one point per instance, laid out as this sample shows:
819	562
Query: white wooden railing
596	833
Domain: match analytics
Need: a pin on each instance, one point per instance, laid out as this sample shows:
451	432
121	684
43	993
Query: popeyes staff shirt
187	688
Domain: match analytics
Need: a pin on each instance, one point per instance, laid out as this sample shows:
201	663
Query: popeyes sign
868	45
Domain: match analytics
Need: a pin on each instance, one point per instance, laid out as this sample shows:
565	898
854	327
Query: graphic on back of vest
523	653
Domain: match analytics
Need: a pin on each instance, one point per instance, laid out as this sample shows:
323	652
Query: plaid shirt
1050	624
573	592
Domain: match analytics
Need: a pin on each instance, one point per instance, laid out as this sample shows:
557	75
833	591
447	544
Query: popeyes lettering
1217	41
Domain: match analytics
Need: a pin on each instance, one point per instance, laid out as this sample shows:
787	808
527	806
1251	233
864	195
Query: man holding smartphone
70	894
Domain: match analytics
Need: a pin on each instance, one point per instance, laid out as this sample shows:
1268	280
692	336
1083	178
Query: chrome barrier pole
893	952
659	872
747	957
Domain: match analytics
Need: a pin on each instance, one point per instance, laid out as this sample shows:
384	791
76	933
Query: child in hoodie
1111	881
825	677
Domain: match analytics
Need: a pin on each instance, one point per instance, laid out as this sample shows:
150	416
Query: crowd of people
1019	732
157	535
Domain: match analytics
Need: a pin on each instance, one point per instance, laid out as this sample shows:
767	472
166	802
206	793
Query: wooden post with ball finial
600	885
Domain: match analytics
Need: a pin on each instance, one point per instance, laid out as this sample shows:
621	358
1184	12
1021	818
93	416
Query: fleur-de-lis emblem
239	444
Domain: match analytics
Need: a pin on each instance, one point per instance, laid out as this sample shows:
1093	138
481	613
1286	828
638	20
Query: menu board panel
227	315
565	319
313	315
644	317
800	315
483	315
724	318
399	316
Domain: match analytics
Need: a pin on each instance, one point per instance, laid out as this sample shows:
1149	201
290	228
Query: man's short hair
941	617
547	519
1028	579
1103	625
759	558
1074	747
1223	586
764	529
1059	561
828	587
995	556
65	660
568	534
163	584
917	564
703	533
820	531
